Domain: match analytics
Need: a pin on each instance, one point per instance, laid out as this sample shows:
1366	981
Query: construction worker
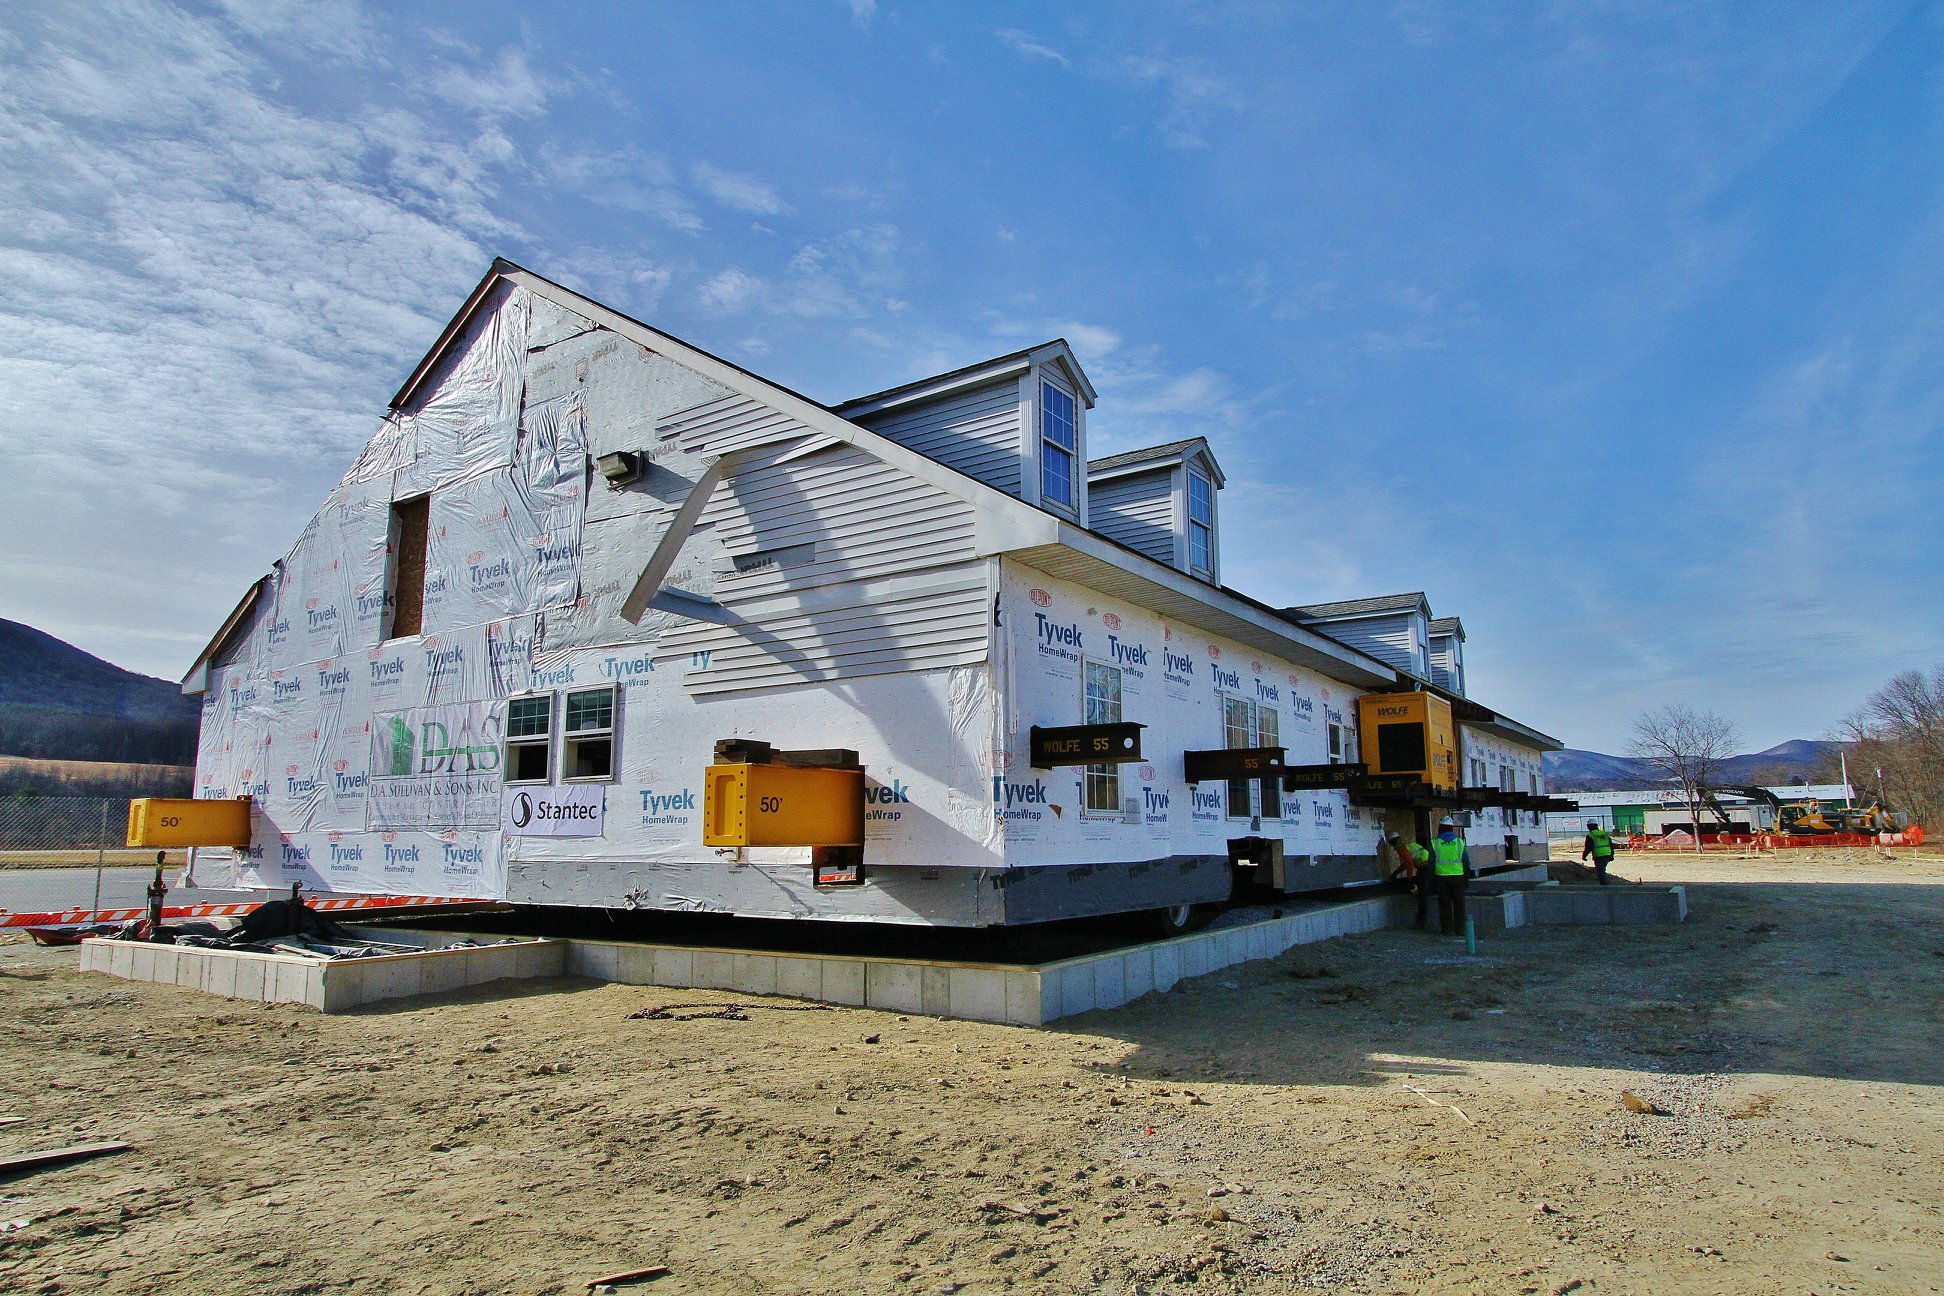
1412	870
1450	875
1598	847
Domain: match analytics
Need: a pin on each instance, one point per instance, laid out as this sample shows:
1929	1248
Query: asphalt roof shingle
1142	455
1358	607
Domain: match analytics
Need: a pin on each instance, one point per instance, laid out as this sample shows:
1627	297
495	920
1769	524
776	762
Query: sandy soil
1378	1114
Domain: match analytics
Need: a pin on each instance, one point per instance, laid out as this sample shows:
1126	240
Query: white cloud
213	293
625	179
862	11
508	87
1092	342
733	290
741	192
1194	96
1030	46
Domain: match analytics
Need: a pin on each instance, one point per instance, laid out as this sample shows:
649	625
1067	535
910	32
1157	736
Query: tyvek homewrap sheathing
1174	678
831	593
375	763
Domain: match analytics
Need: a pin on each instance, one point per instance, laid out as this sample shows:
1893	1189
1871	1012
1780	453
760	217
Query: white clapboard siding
727	423
924	622
860	517
1138	511
976	432
840	564
1389	639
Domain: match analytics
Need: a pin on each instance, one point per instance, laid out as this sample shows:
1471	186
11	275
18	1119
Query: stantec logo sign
554	812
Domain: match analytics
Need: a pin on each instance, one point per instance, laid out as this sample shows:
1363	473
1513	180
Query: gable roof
1345	608
1448	626
1157	455
1005	524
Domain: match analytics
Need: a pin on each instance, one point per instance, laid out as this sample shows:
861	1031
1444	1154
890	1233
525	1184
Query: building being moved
581	563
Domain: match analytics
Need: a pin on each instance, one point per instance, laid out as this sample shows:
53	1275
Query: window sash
1201	500
589	711
1238	730
1056	475
1269	734
1057	423
1102	705
1103	701
1059	445
529	717
1103	789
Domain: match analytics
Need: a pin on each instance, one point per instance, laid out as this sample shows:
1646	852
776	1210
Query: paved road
39	890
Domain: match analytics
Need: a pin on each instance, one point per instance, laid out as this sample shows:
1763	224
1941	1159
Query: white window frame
1103	778
543	740
1249	736
1075	465
571	739
1338	748
1206	568
1268	735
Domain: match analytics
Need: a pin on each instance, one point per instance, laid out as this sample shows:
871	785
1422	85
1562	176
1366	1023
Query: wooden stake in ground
27	1161
649	1274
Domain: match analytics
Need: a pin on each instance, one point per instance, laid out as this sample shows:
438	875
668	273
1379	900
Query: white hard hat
1447	822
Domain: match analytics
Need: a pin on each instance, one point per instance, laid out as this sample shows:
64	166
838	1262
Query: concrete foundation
1021	995
332	986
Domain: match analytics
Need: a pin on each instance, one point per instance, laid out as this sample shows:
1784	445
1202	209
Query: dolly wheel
1172	921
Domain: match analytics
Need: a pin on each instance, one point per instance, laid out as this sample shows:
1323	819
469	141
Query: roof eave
1098	563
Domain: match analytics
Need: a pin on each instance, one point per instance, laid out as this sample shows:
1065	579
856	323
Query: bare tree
1688	746
1897	744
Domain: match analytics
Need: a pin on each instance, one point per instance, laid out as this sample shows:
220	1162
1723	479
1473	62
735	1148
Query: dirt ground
1377	1114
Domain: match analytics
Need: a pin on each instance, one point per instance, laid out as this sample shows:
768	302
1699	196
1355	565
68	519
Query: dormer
1016	422
1448	654
1162	502
1394	628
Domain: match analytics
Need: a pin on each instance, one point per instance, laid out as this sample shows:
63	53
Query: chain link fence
55	851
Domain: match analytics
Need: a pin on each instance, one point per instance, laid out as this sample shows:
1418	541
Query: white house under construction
581	563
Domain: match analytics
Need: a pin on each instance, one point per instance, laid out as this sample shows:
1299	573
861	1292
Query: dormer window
1201	524
1059	445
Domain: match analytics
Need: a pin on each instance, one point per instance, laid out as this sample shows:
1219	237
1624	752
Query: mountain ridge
1797	760
59	702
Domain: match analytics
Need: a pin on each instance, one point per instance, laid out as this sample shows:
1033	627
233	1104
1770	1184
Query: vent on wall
620	467
765	559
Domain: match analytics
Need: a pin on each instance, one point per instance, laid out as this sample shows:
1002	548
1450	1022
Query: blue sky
1613	328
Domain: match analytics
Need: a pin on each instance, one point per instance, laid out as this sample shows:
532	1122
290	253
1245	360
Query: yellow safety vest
1448	857
1602	843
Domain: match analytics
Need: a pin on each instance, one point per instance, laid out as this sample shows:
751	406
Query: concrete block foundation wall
1019	995
334	986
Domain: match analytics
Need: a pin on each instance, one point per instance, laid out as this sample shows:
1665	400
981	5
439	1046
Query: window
1059	445
529	738
1103	706
1337	754
589	729
1201	524
1269	734
405	558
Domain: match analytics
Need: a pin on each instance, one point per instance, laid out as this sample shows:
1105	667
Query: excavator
1809	819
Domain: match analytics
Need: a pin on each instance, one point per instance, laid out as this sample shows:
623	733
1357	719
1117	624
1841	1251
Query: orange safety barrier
230	909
